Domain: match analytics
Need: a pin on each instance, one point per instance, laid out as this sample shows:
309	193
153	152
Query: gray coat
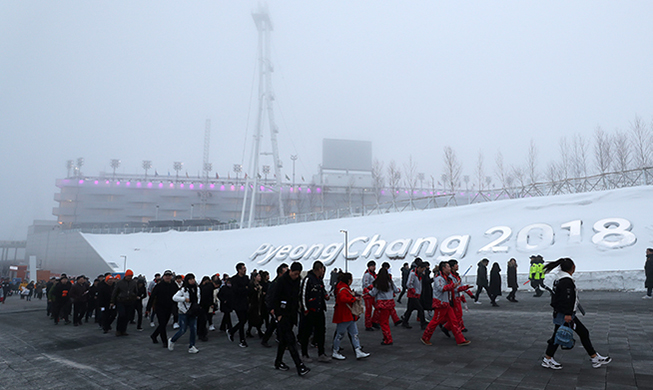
385	295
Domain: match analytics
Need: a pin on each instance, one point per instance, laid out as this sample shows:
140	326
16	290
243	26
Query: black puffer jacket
648	268
495	280
286	298
240	288
564	298
313	294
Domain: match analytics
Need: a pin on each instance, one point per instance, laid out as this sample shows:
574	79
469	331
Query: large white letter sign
495	246
331	252
375	242
458	251
351	254
398	248
613	233
526	236
430	249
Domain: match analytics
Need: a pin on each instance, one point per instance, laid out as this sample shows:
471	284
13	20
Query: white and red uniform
366	282
443	313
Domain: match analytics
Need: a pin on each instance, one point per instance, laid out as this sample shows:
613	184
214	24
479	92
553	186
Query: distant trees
452	168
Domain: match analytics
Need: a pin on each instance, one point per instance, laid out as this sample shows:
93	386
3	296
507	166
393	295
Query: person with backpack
188	303
344	318
565	305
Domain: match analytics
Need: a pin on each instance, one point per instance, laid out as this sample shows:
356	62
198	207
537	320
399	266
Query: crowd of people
292	308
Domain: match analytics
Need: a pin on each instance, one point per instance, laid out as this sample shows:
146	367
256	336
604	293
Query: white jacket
181	296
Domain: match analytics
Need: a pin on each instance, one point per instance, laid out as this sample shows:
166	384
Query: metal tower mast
207	167
265	100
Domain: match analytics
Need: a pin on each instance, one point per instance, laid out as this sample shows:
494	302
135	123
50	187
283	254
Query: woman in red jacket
345	320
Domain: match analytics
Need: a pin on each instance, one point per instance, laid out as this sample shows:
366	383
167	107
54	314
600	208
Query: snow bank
606	233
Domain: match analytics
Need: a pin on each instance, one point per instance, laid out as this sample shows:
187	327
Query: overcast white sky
137	80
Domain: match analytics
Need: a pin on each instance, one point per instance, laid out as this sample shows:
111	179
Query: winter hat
129	273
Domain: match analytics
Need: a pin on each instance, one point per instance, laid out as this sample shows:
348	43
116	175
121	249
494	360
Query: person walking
226	297
383	291
240	288
255	312
286	306
427	291
512	280
188	303
162	303
414	286
366	283
648	270
481	280
79	298
405	272
269	331
536	274
443	314
565	305
141	293
313	297
344	318
61	298
124	298
206	303
495	284
107	312
458	296
333	279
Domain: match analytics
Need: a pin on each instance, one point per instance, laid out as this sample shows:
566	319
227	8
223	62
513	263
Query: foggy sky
137	81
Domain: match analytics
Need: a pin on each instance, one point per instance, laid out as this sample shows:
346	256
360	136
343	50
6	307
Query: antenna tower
265	100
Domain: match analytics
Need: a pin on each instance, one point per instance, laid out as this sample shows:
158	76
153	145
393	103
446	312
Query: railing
599	182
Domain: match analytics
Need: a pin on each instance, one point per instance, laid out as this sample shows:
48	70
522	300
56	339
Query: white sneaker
647	297
551	363
337	355
175	326
193	350
171	345
478	303
211	328
152	324
598	360
360	354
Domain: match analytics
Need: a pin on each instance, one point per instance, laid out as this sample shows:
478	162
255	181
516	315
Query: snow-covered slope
601	231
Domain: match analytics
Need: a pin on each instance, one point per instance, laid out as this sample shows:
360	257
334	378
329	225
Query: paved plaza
507	346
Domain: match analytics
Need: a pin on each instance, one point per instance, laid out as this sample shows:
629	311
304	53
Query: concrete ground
507	346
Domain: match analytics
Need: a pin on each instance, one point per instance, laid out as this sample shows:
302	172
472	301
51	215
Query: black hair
205	279
318	265
296	266
187	278
239	266
565	263
371	263
382	281
385	265
345	277
452	262
281	267
442	265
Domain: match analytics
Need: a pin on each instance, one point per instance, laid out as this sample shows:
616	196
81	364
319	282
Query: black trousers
79	309
240	326
125	311
226	325
312	323
580	330
138	308
478	292
416	305
202	329
163	317
287	340
269	330
108	315
61	310
512	293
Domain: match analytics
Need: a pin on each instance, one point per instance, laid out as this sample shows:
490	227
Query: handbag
565	337
357	308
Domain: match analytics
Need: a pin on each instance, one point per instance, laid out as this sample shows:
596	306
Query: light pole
147	164
266	172
346	247
293	157
70	165
124	268
237	169
177	167
115	163
192	207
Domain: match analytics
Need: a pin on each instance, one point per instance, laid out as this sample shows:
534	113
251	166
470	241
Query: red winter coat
344	298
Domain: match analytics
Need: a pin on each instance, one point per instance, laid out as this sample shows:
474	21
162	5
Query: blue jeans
186	322
343	327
